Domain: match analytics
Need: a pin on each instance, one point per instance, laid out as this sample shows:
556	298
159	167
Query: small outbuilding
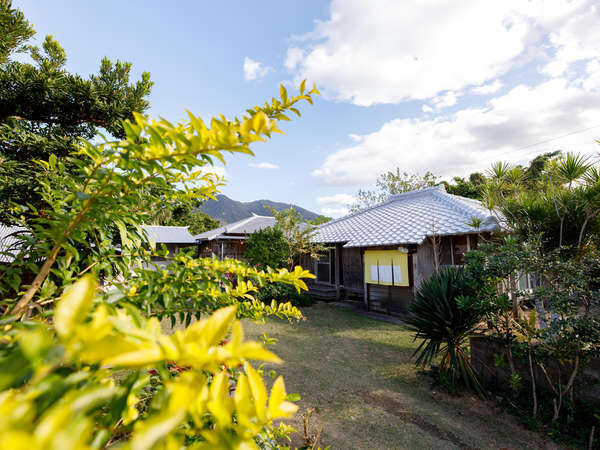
382	254
174	238
228	241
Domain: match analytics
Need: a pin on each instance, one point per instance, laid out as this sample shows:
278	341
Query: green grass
358	374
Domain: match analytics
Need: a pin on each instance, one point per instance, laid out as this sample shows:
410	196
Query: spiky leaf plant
444	327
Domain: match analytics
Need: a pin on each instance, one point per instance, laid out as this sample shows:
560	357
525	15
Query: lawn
357	373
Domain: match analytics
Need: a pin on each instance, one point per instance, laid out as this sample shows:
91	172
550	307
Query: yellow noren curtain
387	267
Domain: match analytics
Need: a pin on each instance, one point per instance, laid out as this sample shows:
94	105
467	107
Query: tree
391	183
267	248
297	235
470	188
45	110
559	200
319	220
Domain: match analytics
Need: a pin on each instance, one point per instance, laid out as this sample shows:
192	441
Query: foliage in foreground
59	362
444	327
58	388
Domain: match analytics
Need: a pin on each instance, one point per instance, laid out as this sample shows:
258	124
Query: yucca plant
444	327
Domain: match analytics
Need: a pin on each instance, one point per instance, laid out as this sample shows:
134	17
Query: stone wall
483	350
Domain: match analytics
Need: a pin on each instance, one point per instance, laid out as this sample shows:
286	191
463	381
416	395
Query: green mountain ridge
227	210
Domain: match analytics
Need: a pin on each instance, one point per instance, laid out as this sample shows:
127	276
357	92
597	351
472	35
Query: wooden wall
389	299
231	248
352	268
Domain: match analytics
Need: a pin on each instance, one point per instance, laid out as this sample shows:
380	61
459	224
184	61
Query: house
381	254
228	241
173	238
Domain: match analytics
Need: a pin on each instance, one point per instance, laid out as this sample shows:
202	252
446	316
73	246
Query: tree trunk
21	307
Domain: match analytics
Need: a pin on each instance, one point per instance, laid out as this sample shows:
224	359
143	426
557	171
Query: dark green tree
45	110
319	220
470	187
267	248
184	214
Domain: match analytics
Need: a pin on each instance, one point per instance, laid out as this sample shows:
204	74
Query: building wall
352	268
395	299
228	248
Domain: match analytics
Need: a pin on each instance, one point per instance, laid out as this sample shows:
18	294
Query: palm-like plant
515	177
444	327
571	167
499	170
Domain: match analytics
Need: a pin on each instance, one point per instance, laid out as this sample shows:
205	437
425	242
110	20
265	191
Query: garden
100	349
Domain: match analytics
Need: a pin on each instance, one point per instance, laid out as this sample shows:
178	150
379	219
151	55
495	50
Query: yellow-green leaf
74	305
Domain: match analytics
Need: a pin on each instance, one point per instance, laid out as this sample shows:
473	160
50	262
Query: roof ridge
458	202
238	223
416	192
392	198
166	226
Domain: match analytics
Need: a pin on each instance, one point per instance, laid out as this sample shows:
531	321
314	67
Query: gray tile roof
245	226
8	242
169	235
407	218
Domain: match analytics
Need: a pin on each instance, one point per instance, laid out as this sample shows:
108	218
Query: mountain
227	210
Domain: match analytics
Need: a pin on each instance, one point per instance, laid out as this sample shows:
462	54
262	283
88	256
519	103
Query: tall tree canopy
45	110
391	183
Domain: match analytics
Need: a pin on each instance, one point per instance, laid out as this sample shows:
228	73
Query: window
325	267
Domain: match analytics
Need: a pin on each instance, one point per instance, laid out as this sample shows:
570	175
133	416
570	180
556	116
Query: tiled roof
407	218
244	226
8	242
169	235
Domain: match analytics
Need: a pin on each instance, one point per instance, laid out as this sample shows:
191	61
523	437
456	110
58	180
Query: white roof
408	218
9	242
169	235
245	226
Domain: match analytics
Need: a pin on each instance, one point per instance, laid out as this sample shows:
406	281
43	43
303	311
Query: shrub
283	292
58	385
437	319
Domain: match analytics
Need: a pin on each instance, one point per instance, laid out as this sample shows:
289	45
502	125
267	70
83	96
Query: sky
423	85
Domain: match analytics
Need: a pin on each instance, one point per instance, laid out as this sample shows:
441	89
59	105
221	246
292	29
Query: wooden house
228	241
381	254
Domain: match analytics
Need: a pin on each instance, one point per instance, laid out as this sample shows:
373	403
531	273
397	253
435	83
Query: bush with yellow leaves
59	388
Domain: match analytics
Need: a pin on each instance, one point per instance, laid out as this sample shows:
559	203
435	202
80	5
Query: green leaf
74	305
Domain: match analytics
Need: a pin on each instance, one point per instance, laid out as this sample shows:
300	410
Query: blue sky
422	86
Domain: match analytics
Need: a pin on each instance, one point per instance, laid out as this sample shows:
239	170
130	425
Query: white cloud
576	40
293	58
254	69
442	101
470	139
355	137
337	199
388	51
337	205
334	212
489	88
264	165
